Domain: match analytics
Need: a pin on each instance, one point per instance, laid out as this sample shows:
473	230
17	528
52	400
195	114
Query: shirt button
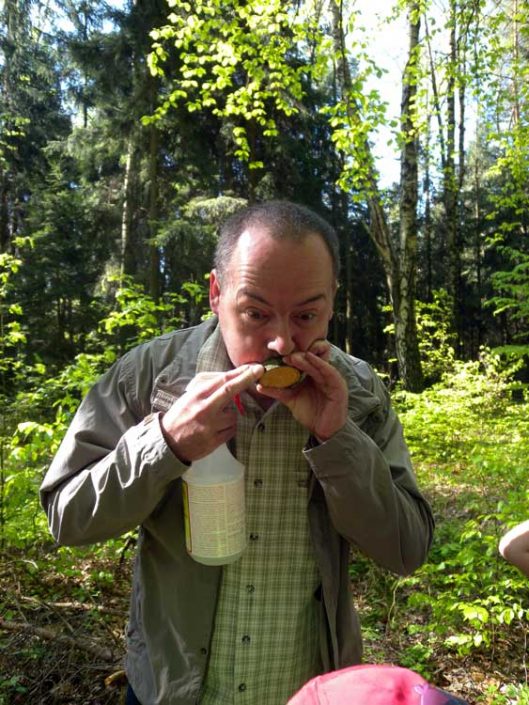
242	687
246	639
254	537
250	589
204	651
260	426
257	483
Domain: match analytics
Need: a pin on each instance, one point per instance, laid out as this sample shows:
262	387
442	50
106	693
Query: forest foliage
461	620
129	131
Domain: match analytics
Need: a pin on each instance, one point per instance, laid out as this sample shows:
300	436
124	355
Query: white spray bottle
214	508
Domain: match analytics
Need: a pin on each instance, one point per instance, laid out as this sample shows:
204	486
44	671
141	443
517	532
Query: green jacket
114	472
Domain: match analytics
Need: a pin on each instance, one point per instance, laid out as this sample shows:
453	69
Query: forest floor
62	632
461	620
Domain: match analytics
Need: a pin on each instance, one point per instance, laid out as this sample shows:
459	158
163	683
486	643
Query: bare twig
75	605
50	635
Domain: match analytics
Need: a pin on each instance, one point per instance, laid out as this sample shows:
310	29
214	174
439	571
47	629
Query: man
326	467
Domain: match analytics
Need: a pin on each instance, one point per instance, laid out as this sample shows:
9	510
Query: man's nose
282	341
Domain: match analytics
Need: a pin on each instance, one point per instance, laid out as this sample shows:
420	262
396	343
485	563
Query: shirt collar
213	356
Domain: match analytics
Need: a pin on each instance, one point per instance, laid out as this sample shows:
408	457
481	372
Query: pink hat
372	684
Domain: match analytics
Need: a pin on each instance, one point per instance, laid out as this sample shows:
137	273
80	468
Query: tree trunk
348	299
406	342
427	190
154	253
399	265
126	257
450	184
9	18
154	283
4	211
478	237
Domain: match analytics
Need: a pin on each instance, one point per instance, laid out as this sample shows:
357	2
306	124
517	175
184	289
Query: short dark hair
282	220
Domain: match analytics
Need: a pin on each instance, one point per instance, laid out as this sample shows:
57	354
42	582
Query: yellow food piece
278	375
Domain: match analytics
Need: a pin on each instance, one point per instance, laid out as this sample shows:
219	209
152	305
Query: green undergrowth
464	614
461	620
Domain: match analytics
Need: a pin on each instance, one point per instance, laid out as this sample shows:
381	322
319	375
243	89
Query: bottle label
214	517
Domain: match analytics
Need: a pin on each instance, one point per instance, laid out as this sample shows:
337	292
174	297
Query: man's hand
203	418
320	402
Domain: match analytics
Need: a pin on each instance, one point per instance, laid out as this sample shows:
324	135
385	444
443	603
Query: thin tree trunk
461	307
406	343
340	206
398	265
477	245
428	216
126	213
3	474
9	17
450	184
516	57
154	283
154	254
348	266
4	211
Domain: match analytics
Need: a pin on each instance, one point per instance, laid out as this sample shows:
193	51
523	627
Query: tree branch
50	635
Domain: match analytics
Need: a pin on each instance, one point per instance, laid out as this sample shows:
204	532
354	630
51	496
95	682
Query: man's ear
214	291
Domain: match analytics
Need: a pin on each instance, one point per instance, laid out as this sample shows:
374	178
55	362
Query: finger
322	372
247	375
283	395
204	384
312	364
321	348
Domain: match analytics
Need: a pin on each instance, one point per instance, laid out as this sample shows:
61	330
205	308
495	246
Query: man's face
276	297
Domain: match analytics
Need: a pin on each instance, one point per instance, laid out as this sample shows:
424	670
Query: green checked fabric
265	643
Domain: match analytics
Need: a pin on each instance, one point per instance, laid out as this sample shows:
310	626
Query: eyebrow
252	295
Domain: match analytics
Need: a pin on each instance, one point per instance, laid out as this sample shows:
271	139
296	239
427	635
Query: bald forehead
259	256
261	241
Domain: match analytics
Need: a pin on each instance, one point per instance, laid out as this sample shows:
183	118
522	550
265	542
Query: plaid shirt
265	643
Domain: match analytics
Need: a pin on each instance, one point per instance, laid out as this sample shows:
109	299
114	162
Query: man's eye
307	316
254	314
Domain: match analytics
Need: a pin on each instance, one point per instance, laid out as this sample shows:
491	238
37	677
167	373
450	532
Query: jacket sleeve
368	482
113	466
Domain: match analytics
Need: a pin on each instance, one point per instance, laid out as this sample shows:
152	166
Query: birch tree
451	73
398	257
247	63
